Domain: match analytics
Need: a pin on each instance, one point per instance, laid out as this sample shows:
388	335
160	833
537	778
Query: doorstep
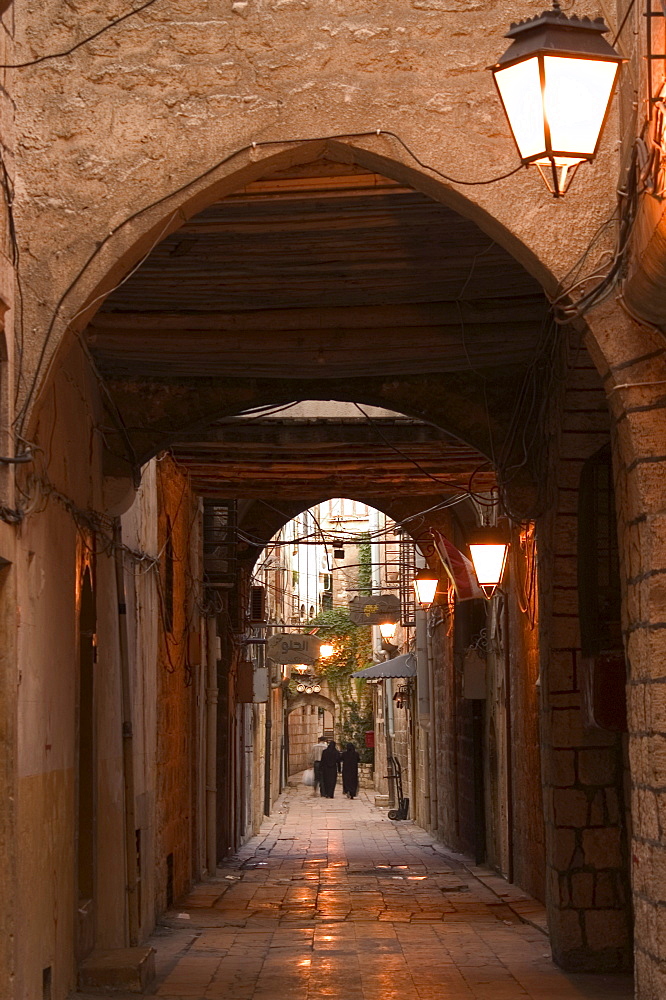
129	969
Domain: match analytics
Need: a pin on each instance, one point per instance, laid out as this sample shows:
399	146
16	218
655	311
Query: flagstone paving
333	900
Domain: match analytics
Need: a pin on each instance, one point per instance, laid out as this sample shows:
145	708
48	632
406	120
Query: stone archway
320	700
303	727
70	303
462	400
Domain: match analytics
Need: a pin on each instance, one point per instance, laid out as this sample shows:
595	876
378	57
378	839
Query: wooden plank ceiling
321	277
318	273
274	456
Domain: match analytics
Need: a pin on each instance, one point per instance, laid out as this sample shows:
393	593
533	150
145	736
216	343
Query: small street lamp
325	650
488	547
387	630
425	587
556	81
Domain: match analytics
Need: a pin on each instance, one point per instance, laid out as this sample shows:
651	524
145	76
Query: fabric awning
399	666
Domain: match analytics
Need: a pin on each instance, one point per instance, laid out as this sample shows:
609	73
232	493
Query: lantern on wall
387	630
425	587
488	547
556	81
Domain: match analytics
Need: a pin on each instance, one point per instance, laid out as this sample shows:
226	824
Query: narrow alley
332	411
333	900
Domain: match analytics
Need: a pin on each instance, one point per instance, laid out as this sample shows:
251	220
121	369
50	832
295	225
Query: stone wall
304	730
634	374
587	865
179	663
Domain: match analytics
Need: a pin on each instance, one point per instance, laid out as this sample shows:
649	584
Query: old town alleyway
334	900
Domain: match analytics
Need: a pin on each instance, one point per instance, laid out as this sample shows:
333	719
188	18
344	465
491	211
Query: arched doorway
309	716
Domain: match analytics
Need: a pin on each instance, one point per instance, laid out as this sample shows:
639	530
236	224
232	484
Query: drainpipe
423	703
267	752
422	673
509	739
434	820
128	740
211	745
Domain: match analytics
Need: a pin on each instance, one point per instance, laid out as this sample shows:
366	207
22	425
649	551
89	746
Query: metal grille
407	573
219	543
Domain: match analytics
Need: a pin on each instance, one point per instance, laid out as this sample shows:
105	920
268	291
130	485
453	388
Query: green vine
364	564
353	651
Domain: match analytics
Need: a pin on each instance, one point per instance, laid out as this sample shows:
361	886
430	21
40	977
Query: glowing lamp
300	687
387	630
556	81
316	687
326	650
425	587
489	547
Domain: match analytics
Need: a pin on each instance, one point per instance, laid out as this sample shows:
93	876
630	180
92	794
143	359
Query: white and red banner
458	568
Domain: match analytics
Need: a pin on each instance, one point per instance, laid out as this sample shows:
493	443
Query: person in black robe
329	768
350	759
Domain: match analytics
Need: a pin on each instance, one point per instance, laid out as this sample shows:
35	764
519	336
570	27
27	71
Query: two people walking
330	764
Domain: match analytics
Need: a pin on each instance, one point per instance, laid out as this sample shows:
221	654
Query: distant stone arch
301	700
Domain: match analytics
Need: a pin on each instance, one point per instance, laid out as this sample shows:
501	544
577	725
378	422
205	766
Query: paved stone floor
332	900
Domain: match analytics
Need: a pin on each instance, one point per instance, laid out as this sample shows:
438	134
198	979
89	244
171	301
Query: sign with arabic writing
293	647
374	610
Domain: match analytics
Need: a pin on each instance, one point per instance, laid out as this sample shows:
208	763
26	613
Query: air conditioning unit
257	606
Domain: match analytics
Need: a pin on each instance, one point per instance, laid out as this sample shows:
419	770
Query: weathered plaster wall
527	833
178	667
59	537
50	556
8	572
140	532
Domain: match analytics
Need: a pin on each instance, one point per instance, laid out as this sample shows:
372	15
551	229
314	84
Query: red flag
458	567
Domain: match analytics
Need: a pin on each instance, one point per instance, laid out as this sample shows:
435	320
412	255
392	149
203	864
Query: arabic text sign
293	647
374	610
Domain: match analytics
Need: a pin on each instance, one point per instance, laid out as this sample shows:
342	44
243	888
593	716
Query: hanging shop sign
374	610
293	647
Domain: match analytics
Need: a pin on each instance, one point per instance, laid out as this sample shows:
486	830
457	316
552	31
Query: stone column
586	849
633	362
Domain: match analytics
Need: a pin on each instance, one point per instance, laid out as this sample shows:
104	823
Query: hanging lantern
489	547
325	650
556	81
425	587
387	630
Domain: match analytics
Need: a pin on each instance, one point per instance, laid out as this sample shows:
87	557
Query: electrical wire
623	22
436	479
84	41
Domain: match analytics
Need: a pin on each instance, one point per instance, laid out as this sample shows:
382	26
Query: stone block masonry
584	766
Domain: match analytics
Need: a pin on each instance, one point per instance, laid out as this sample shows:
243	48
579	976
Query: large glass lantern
488	547
425	587
556	81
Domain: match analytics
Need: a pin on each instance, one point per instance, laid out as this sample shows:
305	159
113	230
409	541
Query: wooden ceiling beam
498	309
